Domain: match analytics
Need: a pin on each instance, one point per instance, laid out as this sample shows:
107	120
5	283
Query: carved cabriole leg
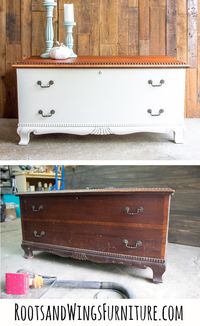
178	136
24	134
27	252
158	271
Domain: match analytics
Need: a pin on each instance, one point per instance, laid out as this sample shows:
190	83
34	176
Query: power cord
53	281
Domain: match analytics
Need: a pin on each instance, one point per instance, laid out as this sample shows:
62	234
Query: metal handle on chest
46	115
157	114
34	209
150	82
51	82
39	235
128	211
138	244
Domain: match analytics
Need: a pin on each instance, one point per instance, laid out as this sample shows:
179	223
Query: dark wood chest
126	226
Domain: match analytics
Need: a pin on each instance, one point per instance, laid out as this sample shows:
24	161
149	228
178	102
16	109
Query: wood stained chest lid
107	191
103	62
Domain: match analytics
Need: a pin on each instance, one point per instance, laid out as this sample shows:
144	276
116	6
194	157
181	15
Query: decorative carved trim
79	256
75	125
24	130
101	131
104	62
87	252
98	128
157	265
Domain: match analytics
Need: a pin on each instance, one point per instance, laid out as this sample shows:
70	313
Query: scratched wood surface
184	226
104	27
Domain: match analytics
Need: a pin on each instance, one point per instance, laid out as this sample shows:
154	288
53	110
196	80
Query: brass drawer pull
51	82
39	235
157	114
46	115
139	210
150	82
34	209
138	244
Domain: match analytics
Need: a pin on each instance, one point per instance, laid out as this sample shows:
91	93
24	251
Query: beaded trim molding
104	62
33	246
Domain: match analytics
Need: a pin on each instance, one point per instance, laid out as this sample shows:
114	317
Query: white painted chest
101	95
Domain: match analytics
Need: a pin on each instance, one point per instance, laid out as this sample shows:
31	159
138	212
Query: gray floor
141	146
181	280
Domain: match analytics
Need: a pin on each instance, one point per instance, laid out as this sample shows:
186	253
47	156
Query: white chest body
100	101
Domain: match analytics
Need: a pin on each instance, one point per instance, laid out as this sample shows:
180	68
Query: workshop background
104	27
184	227
182	276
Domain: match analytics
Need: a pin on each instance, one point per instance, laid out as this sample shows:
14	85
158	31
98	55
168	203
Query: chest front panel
101	96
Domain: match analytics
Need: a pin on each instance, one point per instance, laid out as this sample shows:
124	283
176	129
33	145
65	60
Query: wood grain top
98	191
103	62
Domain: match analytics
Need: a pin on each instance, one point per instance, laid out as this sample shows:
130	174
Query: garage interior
182	276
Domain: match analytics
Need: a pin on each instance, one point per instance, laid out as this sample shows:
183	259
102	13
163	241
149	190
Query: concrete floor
181	280
141	146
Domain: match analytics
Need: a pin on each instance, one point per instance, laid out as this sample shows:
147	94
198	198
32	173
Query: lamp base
69	37
45	55
72	54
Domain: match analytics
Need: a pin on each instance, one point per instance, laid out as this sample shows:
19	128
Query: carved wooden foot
158	271
24	136
178	136
27	252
